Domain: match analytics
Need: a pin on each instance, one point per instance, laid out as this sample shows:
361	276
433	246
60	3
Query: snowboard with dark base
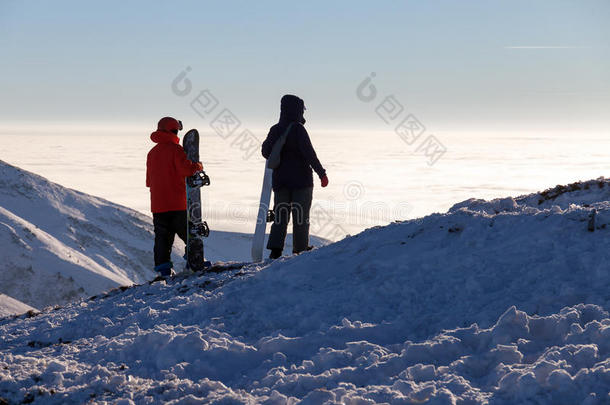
197	229
217	267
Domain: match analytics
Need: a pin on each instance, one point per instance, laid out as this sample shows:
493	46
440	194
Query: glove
324	181
199	166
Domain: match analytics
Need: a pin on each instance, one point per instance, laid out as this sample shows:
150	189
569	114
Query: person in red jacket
166	169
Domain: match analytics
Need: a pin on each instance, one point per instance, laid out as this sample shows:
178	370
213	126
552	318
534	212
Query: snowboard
220	267
197	229
264	216
264	213
217	267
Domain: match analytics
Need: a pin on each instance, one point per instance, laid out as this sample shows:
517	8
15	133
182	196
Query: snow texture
494	302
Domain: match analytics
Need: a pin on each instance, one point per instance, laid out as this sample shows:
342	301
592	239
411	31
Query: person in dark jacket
293	179
166	169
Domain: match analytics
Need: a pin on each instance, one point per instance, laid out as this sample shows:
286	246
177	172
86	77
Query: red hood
164	137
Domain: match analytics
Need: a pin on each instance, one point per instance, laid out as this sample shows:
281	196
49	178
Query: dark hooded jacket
298	156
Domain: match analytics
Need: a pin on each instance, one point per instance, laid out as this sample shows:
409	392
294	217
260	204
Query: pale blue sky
465	65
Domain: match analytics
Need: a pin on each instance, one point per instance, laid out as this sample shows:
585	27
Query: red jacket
166	169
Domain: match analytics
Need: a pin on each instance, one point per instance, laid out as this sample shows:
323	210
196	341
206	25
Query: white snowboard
261	220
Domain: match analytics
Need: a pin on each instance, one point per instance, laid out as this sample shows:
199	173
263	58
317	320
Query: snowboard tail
258	240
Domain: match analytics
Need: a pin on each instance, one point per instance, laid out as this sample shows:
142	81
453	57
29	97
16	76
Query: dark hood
292	109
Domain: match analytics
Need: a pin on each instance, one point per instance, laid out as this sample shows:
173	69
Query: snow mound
468	307
582	193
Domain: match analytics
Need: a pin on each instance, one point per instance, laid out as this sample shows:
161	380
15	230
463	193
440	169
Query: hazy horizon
371	183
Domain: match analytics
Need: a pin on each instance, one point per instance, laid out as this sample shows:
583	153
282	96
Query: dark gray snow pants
298	203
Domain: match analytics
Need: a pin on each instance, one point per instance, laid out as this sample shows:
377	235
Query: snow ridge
586	194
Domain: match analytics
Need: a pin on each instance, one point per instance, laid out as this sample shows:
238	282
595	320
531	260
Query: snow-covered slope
500	302
59	244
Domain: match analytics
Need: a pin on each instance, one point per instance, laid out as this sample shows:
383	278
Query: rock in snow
494	302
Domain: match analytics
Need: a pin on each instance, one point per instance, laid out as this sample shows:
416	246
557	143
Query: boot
307	249
275	254
165	269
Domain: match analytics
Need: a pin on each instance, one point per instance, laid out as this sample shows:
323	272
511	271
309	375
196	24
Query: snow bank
497	302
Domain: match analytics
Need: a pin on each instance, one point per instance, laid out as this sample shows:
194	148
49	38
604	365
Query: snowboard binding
198	179
270	216
200	229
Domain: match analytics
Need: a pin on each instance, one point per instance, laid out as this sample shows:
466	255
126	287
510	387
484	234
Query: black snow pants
167	225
